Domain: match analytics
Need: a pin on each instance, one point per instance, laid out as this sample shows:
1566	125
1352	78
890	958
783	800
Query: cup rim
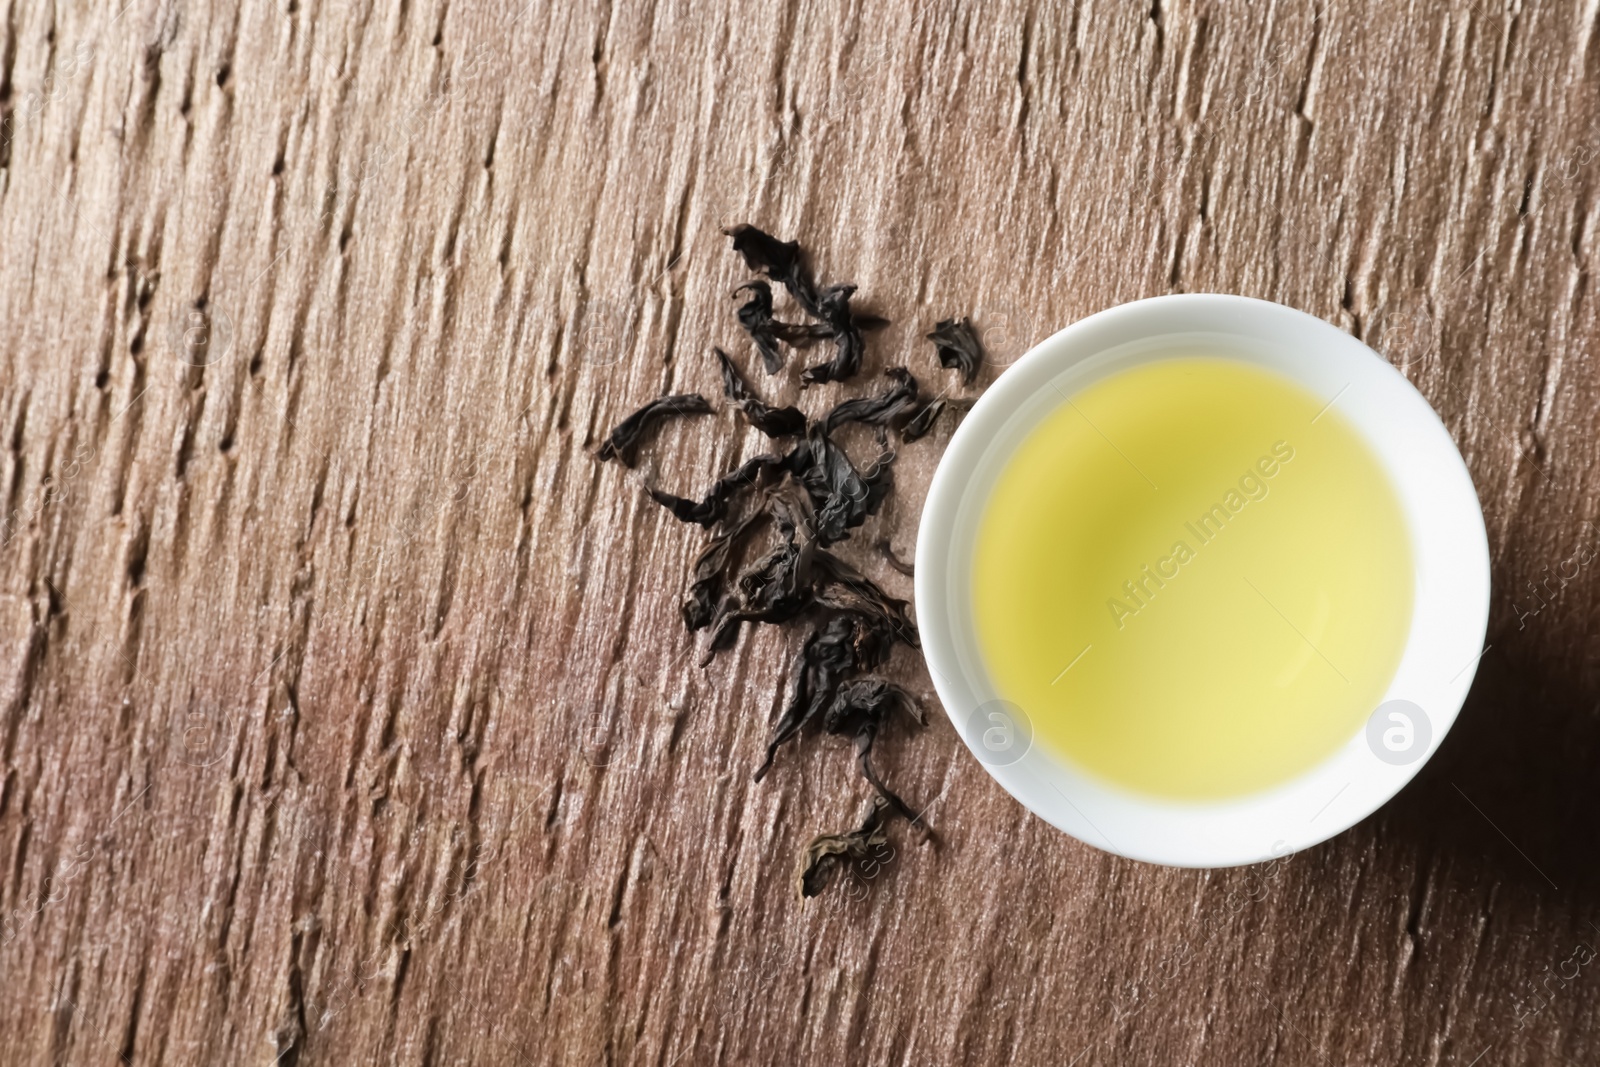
1449	546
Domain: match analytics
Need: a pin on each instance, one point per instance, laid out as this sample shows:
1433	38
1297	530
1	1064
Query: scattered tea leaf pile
803	498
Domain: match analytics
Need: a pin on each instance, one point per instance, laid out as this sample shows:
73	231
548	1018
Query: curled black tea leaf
622	444
833	308
776	587
842	495
825	855
783	262
958	346
755	315
891	408
713	507
841	587
791	578
848	643
774	422
868	699
861	707
779	260
923	421
886	550
709	569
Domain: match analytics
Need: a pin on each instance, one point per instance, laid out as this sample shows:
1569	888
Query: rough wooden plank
345	712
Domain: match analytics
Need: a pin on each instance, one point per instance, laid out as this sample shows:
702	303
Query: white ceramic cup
1449	547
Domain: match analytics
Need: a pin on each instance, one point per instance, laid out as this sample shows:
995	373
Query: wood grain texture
346	714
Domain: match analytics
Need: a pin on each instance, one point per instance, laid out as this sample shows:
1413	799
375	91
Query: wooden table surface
345	710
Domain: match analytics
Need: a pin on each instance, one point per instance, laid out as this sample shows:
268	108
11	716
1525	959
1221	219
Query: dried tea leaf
958	346
622	444
774	422
923	421
891	408
755	315
868	698
783	262
713	507
825	855
863	743
776	587
763	252
709	569
878	479
886	550
833	308
842	495
862	707
798	575
843	588
779	260
847	644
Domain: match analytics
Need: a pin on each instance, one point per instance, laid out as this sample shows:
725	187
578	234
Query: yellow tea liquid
1195	579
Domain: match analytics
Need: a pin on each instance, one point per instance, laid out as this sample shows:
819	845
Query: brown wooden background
345	712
